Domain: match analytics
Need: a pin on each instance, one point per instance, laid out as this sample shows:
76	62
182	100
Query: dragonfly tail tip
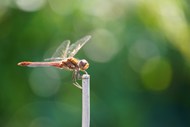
23	63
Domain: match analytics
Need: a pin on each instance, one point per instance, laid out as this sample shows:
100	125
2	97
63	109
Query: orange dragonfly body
63	58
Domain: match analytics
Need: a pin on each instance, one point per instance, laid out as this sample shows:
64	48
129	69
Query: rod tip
85	76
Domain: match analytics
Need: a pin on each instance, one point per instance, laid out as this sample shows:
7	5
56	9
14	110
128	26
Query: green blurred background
139	59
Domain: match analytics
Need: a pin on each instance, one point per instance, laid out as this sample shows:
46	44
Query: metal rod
86	100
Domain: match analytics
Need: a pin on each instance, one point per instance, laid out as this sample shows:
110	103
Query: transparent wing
61	52
74	48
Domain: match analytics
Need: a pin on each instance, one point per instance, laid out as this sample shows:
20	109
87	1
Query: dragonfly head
83	64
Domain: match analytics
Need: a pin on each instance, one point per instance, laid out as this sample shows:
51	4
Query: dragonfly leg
75	77
85	71
78	75
77	85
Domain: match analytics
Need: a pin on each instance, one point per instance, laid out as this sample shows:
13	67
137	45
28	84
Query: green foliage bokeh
139	62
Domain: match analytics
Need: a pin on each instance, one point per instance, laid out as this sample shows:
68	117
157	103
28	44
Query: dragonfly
63	58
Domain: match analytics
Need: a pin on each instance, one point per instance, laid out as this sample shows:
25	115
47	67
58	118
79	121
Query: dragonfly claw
85	72
77	85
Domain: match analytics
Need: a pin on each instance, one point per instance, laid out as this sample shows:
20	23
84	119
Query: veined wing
74	48
61	52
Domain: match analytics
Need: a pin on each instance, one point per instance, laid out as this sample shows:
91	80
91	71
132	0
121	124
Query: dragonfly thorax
83	64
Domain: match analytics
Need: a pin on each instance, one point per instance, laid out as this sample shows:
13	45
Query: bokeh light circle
156	74
141	51
103	46
62	7
30	5
104	9
42	122
45	114
45	82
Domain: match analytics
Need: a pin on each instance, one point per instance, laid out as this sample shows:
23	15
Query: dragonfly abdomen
39	64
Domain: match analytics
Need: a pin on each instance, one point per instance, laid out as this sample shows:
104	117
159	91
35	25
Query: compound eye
83	65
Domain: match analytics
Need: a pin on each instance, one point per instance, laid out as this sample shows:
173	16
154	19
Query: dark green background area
139	57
